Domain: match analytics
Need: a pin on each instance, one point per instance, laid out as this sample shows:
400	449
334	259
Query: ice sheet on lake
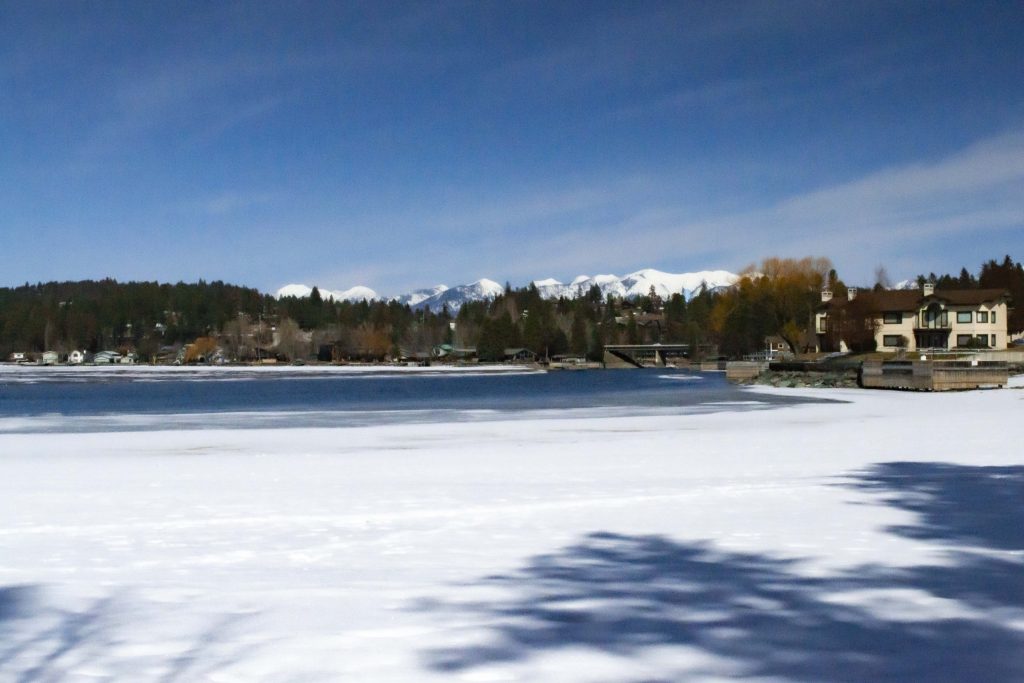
32	374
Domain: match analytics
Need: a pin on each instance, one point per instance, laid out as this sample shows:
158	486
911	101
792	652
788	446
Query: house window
934	317
963	316
993	317
893	340
993	343
963	340
892	317
822	325
982	316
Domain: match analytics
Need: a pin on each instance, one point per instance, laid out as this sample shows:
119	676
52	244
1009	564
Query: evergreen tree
578	336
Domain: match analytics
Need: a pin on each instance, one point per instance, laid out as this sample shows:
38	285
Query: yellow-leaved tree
778	297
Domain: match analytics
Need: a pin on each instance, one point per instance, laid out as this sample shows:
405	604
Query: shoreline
15	370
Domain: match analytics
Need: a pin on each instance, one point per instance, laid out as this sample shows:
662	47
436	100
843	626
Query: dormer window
892	317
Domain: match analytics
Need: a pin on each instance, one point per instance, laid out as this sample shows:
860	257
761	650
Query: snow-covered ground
877	539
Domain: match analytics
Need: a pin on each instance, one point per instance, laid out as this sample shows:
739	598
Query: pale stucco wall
974	328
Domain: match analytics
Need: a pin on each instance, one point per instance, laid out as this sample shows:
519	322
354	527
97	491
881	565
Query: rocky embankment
791	379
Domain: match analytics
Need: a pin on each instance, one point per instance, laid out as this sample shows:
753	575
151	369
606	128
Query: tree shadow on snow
40	641
976	514
759	617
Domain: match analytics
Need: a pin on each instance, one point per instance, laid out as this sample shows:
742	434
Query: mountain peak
489	285
357	293
295	290
638	283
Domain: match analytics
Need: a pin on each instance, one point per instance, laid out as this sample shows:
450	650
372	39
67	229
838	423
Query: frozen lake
872	536
139	398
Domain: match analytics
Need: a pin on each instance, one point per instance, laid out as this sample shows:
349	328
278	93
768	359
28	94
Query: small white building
49	358
106	357
76	357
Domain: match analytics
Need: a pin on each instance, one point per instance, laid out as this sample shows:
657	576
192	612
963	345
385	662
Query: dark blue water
87	401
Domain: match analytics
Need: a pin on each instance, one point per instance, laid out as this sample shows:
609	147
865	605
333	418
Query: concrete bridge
644	355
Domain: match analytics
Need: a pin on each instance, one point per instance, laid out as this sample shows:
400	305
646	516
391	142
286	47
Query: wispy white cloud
760	92
199	98
892	215
891	212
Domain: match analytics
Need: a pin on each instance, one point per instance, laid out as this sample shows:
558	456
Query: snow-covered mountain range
357	293
414	299
634	284
638	284
454	297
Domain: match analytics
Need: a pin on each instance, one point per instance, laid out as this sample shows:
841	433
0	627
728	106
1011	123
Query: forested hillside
776	297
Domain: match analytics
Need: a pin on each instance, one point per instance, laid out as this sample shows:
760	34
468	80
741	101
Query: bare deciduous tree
882	280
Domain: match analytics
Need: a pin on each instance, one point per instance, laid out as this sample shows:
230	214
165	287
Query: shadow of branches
759	617
43	642
961	504
976	514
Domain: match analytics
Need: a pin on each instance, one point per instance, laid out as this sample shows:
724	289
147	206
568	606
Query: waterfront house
166	355
76	357
447	352
106	357
775	348
520	355
914	319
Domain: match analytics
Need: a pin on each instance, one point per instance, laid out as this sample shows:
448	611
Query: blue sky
402	145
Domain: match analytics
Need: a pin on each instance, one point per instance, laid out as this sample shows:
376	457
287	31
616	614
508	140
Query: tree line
777	297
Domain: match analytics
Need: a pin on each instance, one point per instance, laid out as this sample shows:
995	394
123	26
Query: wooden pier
645	355
741	370
928	375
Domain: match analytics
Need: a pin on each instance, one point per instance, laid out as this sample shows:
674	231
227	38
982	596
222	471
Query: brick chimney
826	295
851	293
928	288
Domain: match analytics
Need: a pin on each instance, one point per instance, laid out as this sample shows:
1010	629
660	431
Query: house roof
970	297
914	299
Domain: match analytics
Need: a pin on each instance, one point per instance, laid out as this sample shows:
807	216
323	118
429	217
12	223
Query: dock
934	375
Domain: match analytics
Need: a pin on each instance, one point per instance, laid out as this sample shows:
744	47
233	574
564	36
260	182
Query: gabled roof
969	297
914	299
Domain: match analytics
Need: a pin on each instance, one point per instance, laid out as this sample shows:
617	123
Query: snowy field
877	539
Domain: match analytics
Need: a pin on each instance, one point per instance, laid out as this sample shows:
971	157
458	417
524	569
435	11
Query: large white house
914	319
